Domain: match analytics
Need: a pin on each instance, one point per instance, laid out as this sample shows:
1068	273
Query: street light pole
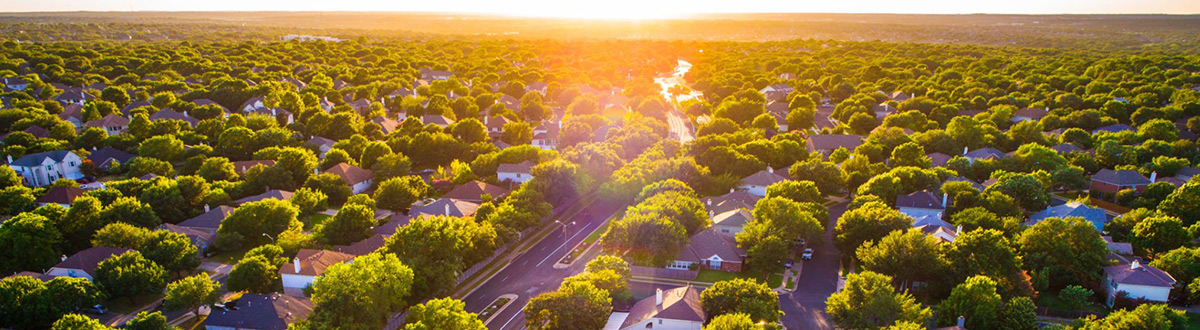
269	236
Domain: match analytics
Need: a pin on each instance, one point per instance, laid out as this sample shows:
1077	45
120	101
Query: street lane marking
563	244
514	316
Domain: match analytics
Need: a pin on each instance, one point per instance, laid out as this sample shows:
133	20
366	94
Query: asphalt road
679	127
533	273
804	308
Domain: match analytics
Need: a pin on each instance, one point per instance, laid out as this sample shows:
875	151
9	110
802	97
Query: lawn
1193	322
229	257
1050	300
193	323
596	234
315	220
713	276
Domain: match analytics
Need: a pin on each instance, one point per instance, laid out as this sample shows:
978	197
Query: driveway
804	308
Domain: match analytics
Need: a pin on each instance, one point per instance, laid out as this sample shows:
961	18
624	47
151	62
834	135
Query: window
49	168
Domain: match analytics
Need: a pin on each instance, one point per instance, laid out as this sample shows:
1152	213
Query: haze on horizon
624	9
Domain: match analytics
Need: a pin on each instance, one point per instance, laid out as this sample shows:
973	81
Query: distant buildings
43	168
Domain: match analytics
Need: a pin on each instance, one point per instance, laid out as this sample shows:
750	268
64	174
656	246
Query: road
532	273
680	128
804	308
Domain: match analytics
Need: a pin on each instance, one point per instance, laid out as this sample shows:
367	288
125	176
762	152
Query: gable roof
733	200
681	303
1031	113
445	206
314	262
169	114
939	159
111	120
88	259
763	178
61	195
320	142
1072	209
474	190
211	219
274	193
102	156
1066	148
38	158
386	125
1120	177
71	111
831	142
1136	273
921	200
735	218
272	311
1188	171
985	153
351	174
134	105
1114	128
436	120
522	167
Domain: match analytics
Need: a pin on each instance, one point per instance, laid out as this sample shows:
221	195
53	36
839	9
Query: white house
757	183
673	309
1138	281
518	173
307	265
112	124
83	264
921	204
43	168
357	178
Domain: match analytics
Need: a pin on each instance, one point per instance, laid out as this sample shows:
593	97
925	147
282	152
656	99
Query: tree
255	220
351	224
173	251
976	300
149	321
741	295
1159	234
735	321
1074	297
217	169
979	217
437	248
309	201
647	237
799	119
1183	264
609	262
868	223
1159	129
798	191
331	185
895	254
868	301
121	235
192	292
1018	314
78	322
253	274
1025	188
517	133
1068	250
1147	316
986	252
130	275
1184	202
398	194
30	303
361	294
130	210
910	154
28	242
162	147
578	305
443	313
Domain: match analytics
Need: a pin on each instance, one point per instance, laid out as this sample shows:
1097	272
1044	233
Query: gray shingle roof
1121	177
1072	209
920	199
682	303
39	158
258	311
1139	275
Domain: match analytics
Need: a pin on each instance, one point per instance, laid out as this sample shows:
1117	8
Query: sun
608	10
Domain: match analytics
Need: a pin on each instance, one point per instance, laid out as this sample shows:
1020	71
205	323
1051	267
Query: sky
633	9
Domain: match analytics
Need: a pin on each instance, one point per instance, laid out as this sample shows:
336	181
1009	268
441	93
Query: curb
511	298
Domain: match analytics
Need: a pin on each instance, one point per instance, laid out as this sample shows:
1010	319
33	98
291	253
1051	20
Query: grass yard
315	220
229	257
595	236
1193	322
713	276
775	280
1050	300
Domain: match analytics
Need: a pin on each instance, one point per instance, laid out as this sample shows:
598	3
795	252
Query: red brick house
1110	181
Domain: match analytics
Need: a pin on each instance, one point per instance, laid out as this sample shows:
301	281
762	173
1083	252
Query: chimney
447	209
485	119
708	202
10	159
770	170
207	208
958	230
272	111
961	322
965	150
711	214
185	114
945	197
296	264
1135	265
64	258
730	190
93	148
658	297
1153	175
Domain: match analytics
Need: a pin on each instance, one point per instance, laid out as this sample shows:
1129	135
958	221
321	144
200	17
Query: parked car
97	309
789	263
807	255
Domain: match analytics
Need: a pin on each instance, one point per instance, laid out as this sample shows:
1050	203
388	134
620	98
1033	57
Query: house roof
1072	209
272	311
103	155
931	220
321	142
169	114
40	276
1114	128
1137	274
735	218
36	131
39	158
88	259
314	262
71	111
1066	148
1188	171
682	303
386	125
763	178
445	206
436	120
709	243
195	234
474	190
363	247
1031	113
939	159
934	230
497	122
110	120
241	166
275	193
61	195
921	200
973	183
1120	177
831	142
134	105
211	219
985	153
251	102
351	174
733	200
523	167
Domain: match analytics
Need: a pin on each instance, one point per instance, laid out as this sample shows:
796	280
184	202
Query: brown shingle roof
87	260
276	194
210	220
1139	275
1121	177
61	195
350	173
523	167
682	303
314	262
110	120
473	191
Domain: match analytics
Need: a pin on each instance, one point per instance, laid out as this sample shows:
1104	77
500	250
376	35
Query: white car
807	255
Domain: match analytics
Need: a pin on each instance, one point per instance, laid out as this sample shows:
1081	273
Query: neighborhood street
804	308
533	273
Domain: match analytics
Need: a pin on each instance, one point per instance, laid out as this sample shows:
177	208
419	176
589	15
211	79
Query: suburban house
276	113
1110	181
1138	281
731	222
358	178
74	96
922	203
60	195
782	88
16	83
307	265
827	143
710	249
1027	114
509	102
735	199
211	218
939	159
439	120
387	126
539	87
901	96
128	108
257	311
112	124
83	264
518	173
1120	248
936	227
240	167
672	309
109	156
168	114
202	238
444	206
43	168
282	195
428	74
72	113
35	130
757	183
473	191
495	125
1114	128
321	144
1187	173
253	103
983	153
1071	209
1065	149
